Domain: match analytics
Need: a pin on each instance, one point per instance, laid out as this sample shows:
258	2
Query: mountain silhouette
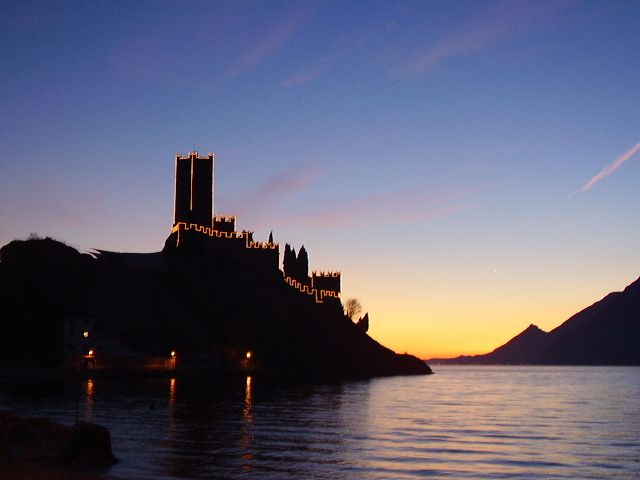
605	333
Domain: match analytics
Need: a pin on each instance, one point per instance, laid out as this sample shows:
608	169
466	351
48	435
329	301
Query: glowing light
249	356
85	334
173	353
91	352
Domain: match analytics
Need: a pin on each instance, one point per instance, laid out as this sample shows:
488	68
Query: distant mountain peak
605	333
533	328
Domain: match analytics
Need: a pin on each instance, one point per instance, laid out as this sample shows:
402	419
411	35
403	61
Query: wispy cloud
609	169
252	204
414	204
500	23
245	37
308	75
323	65
273	39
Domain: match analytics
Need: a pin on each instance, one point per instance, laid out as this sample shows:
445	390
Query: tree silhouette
289	261
271	237
363	323
303	265
352	307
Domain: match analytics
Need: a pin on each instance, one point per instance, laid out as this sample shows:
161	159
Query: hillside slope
605	333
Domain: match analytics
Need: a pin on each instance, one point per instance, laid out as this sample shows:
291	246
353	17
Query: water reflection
248	402
171	413
489	422
172	394
89	399
246	439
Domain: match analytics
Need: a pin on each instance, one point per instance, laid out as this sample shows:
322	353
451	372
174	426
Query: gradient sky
470	167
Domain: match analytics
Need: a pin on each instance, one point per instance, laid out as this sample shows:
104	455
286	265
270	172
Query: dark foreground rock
43	442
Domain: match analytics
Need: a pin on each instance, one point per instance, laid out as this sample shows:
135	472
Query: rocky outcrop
41	441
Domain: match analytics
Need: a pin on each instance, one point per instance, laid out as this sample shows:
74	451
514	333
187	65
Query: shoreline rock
44	444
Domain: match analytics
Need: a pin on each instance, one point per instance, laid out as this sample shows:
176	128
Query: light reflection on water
462	422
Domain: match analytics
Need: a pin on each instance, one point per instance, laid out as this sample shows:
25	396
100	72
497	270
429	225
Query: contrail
609	169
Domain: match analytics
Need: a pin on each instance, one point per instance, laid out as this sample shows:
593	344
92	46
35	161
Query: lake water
462	422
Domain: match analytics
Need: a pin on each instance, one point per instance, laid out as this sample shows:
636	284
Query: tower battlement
326	281
318	273
224	223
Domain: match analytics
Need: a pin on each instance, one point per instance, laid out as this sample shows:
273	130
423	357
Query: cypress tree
302	264
289	261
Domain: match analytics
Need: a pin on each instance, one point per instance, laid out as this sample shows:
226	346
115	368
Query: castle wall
263	255
317	294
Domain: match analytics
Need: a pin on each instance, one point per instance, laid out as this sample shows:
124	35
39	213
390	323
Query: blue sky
470	167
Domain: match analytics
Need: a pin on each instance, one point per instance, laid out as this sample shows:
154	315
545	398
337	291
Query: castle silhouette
195	226
214	300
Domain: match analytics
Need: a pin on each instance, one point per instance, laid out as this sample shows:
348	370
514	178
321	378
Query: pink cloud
410	205
306	76
254	202
502	22
609	169
321	66
222	44
275	37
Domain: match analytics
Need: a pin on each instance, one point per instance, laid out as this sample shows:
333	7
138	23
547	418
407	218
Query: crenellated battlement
318	295
224	223
326	281
325	274
224	218
194	155
246	236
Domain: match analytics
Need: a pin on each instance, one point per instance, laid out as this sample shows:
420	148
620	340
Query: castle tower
194	190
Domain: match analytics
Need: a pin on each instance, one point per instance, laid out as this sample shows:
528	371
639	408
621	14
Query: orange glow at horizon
470	313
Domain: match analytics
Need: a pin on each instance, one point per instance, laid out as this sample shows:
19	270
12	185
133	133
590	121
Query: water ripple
464	422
